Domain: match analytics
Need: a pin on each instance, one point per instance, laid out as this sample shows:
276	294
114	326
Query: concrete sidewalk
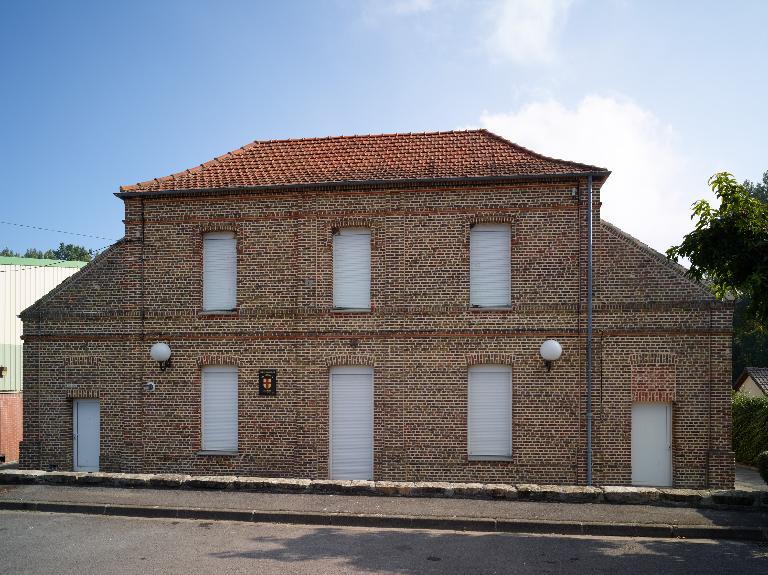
748	479
397	512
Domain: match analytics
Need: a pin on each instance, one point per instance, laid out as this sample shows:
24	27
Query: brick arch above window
211	227
473	220
235	227
490	359
351	222
653	359
334	226
510	218
218	359
350	359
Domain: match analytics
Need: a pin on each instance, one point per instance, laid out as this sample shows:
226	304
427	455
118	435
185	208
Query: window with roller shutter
351	419
352	269
489	413
490	265
219	409
219	271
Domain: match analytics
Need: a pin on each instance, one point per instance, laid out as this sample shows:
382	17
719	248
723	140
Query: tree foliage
762	465
65	252
750	427
729	245
758	190
750	340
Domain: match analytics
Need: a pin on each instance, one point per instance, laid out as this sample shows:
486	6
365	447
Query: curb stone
397	521
697	498
733	497
501	491
262	485
630	495
395	488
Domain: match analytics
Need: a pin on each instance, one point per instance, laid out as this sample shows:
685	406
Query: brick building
373	307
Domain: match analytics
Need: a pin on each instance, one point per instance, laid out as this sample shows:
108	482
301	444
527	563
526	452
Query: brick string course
658	336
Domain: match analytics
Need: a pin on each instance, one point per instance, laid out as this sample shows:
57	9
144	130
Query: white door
652	444
351	423
86	423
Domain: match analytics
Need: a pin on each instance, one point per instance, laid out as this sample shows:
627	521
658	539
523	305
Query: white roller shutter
352	269
219	409
219	271
490	411
490	265
351	423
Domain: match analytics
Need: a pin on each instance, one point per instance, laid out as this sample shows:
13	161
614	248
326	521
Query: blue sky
100	94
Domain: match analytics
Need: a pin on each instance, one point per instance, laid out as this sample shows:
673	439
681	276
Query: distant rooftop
758	374
11	261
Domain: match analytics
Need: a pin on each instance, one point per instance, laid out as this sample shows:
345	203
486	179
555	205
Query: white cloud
374	11
652	185
526	31
410	6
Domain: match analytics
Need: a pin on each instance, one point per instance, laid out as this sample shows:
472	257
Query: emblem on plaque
268	382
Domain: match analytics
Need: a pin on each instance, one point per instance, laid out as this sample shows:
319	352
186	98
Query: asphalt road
65	543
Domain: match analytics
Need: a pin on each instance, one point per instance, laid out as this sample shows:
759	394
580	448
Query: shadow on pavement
416	552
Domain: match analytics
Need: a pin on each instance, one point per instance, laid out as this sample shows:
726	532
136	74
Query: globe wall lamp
550	352
161	353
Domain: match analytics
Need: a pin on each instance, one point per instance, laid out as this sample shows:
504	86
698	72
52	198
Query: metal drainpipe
589	330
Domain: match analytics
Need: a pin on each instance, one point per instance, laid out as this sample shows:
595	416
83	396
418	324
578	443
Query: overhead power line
57	231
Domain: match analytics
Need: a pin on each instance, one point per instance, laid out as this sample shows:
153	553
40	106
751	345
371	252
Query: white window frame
477	297
488	368
213	300
342	300
205	447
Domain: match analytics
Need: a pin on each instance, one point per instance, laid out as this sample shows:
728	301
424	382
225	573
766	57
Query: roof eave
125	194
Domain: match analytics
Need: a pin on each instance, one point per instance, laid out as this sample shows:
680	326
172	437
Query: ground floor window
351	418
219	408
489	411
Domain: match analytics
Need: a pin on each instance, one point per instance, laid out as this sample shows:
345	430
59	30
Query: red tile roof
385	157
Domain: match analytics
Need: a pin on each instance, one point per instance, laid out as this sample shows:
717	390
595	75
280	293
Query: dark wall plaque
267	382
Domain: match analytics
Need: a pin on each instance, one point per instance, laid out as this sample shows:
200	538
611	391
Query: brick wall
10	425
657	336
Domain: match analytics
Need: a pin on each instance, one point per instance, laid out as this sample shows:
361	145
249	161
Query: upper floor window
219	271
490	265
352	268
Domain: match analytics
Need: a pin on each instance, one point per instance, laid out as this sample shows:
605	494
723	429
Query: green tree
71	252
758	190
750	342
65	252
729	245
39	255
750	339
